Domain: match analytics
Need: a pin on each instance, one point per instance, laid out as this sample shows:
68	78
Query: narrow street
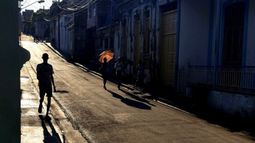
118	116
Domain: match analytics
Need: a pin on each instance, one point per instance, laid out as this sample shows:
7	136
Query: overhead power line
76	7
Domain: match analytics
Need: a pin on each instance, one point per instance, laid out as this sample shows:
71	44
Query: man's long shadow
49	138
130	102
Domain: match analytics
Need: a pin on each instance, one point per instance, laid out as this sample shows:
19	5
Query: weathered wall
232	103
194	32
92	15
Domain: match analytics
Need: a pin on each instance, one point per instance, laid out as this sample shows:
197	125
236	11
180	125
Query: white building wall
153	32
116	44
250	53
65	40
71	39
36	25
162	2
40	28
236	104
157	24
57	34
62	32
136	11
128	37
194	32
215	32
92	16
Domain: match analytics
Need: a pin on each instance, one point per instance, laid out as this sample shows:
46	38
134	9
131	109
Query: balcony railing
241	80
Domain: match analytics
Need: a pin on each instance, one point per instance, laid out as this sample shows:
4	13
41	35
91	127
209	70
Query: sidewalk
34	127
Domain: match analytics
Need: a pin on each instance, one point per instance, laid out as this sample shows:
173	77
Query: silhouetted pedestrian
46	80
118	71
105	73
36	40
139	75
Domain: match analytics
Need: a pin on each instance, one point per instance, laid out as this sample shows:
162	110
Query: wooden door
167	52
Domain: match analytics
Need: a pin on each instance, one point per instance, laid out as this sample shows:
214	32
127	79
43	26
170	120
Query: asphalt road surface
116	116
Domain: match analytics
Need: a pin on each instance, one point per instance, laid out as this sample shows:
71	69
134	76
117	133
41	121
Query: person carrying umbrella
104	58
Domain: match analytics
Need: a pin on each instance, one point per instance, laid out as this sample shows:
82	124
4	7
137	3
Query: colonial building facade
215	52
182	45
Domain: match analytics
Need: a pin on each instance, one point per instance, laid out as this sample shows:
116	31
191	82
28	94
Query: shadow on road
130	102
232	123
61	91
136	97
52	137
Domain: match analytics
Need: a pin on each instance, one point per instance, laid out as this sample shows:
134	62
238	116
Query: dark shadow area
61	91
52	137
136	97
130	102
167	95
198	107
138	92
232	123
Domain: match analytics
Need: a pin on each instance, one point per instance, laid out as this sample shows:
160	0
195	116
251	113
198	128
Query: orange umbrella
108	55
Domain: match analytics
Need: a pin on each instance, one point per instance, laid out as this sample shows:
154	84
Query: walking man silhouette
118	70
46	80
104	69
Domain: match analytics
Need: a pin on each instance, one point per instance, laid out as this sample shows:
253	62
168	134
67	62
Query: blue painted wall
250	53
194	32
